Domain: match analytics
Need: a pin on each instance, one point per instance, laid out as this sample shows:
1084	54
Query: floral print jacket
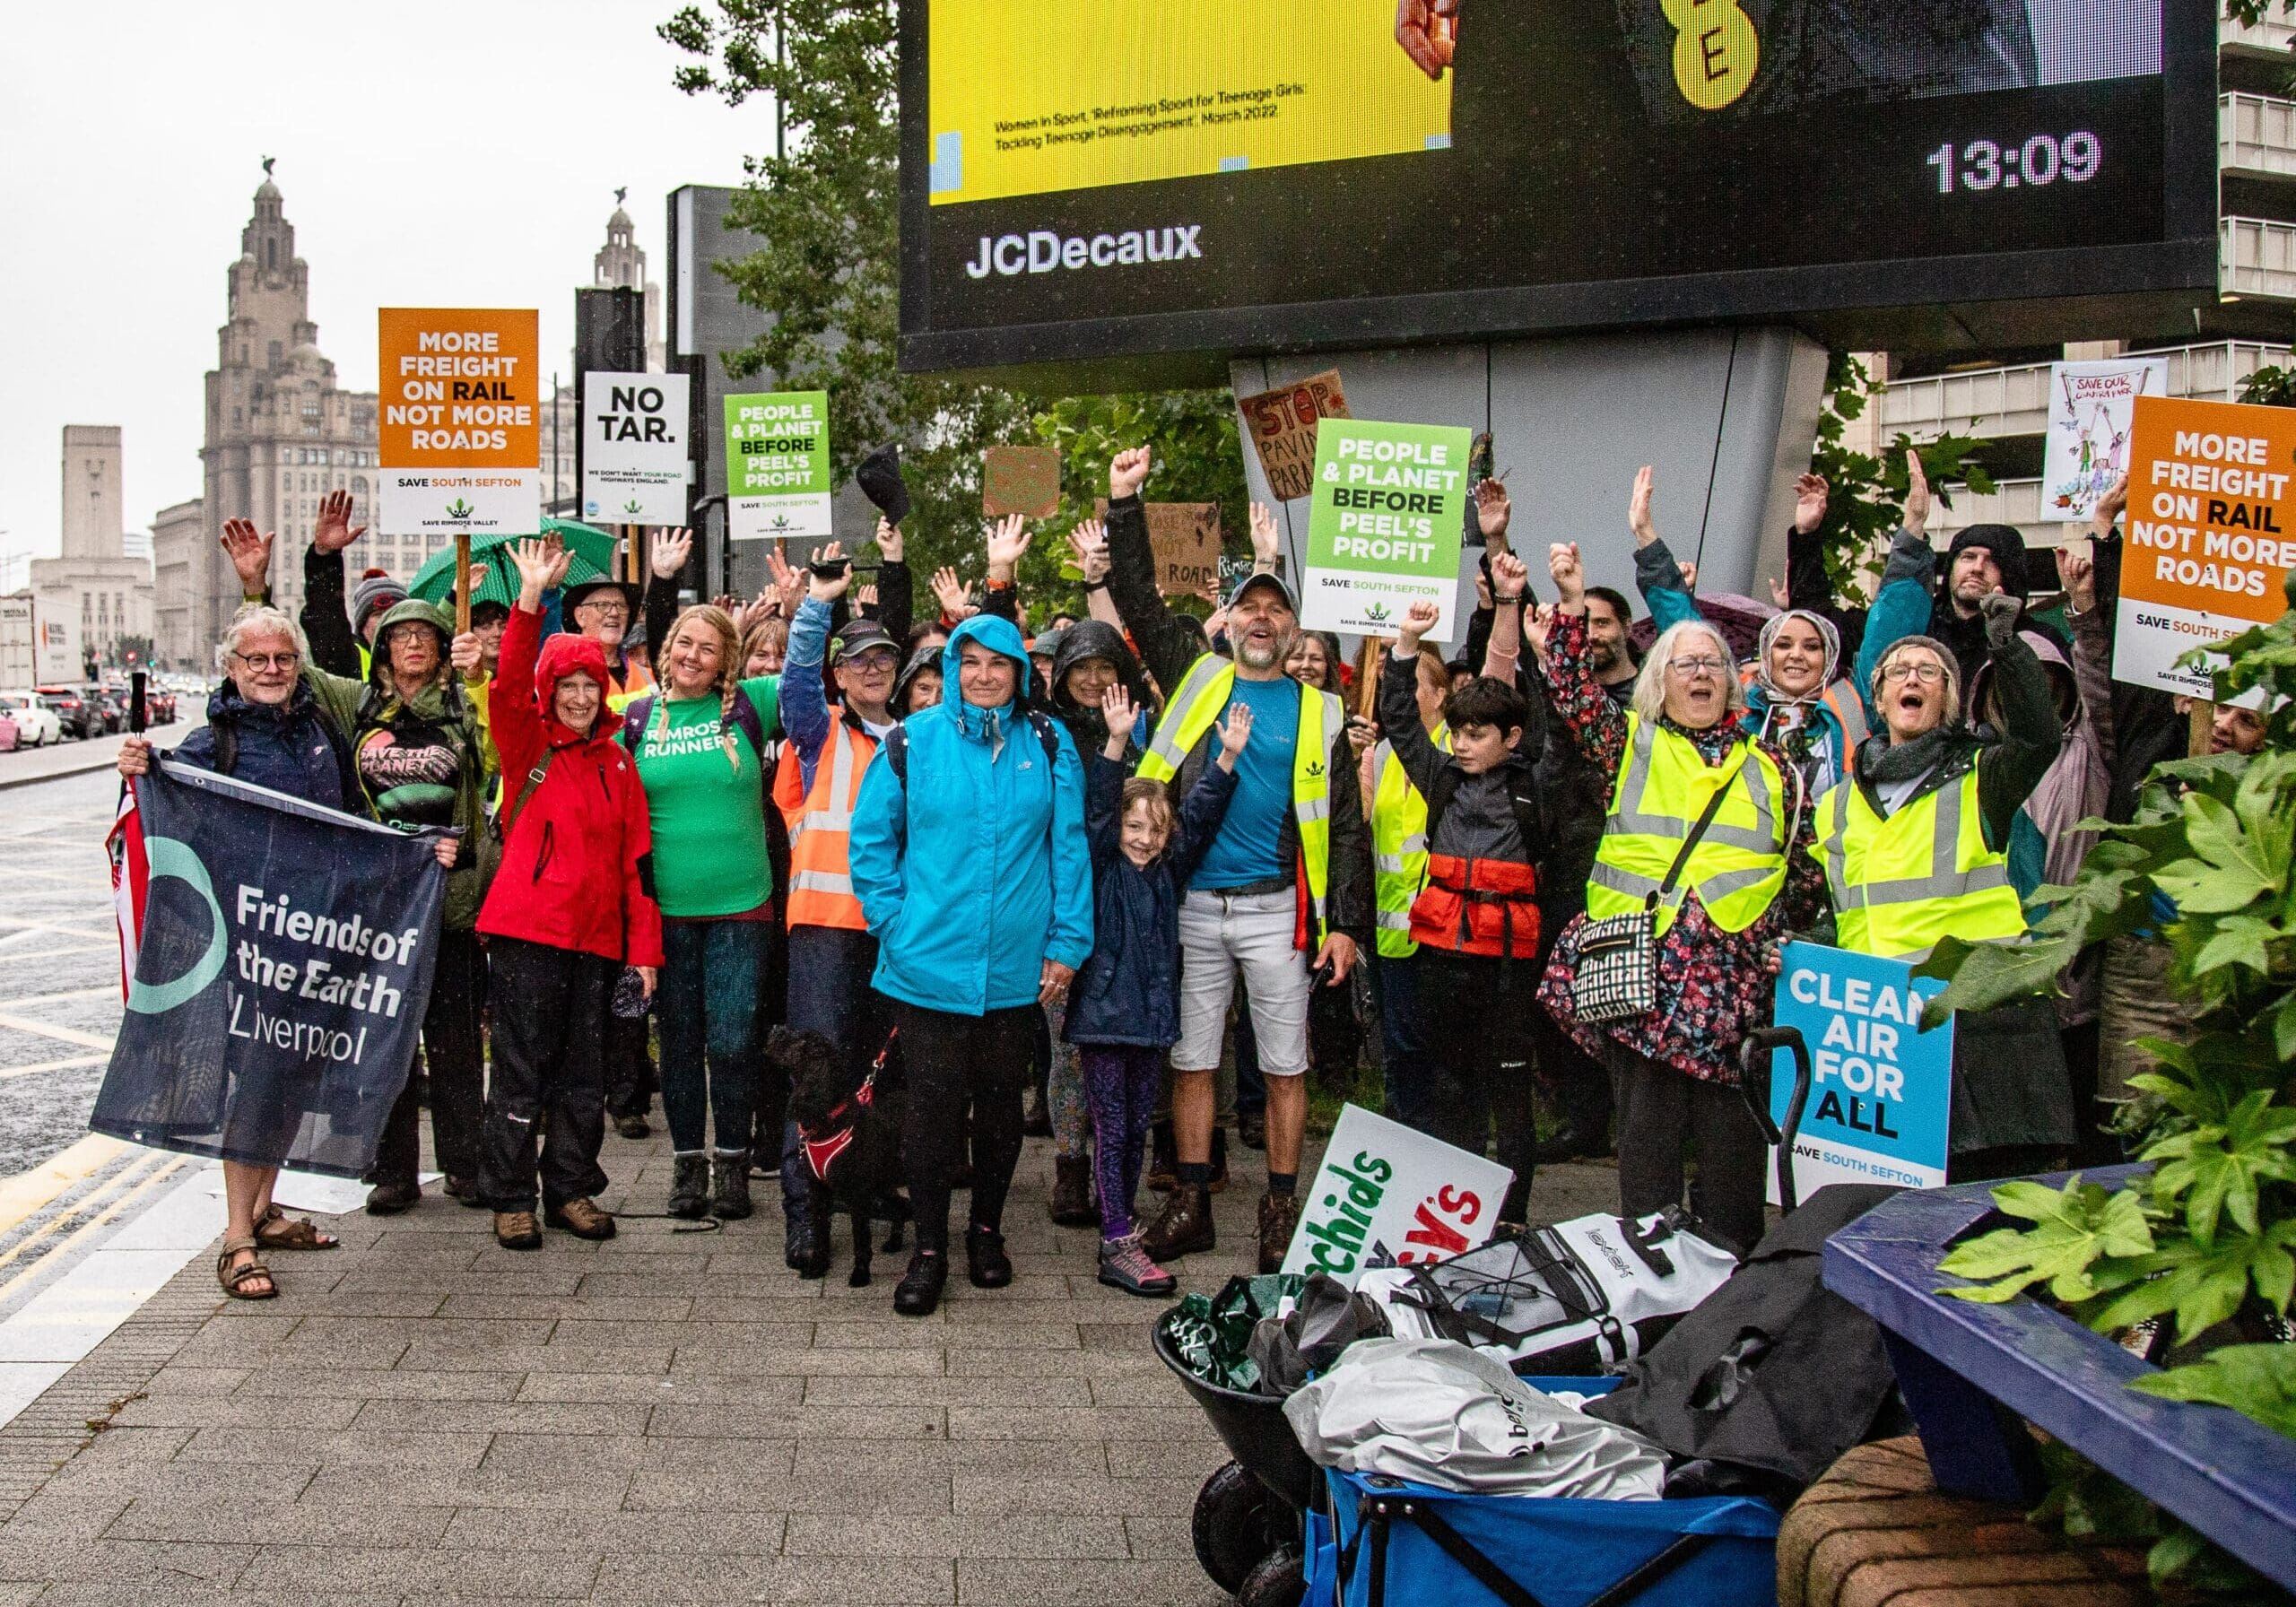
1714	986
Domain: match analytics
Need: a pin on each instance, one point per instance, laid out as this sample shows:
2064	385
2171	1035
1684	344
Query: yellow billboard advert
1028	97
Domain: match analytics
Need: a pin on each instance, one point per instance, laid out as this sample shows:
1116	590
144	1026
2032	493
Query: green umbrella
593	550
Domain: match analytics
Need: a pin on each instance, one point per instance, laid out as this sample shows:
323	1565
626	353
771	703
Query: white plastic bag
1436	1413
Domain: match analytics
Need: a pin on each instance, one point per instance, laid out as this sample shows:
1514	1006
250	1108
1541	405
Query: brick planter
1876	1531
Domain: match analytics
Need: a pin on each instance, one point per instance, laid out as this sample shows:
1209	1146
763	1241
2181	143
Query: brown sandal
233	1278
275	1230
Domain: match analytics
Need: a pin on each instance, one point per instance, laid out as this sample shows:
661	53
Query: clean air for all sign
777	464
1881	1098
459	439
1383	526
2212	533
634	448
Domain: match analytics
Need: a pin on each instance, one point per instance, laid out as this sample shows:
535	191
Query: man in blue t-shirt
1252	904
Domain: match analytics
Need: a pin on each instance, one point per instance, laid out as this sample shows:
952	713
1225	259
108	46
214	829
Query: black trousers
1478	1011
1658	1109
454	1050
629	1063
953	1059
550	1009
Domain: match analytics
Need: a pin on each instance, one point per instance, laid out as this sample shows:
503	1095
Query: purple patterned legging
1120	1084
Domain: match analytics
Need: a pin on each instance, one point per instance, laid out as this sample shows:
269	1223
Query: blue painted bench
1970	1371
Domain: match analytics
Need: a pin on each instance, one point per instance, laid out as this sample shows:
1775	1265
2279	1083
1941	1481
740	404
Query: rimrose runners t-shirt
707	815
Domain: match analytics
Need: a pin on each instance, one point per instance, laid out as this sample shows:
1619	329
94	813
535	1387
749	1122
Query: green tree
1869	493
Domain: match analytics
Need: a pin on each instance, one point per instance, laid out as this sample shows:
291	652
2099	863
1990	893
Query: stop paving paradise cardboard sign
1383	525
1881	1098
1387	1196
2212	533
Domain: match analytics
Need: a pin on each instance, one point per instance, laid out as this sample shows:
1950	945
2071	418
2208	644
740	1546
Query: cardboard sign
2092	411
2212	533
1387	1196
460	441
634	448
1383	530
1282	424
1881	1098
1184	537
777	464
1023	480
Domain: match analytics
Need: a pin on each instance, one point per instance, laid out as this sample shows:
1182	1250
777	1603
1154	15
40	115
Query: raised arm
2092	649
1165	646
896	588
670	551
1594	722
1399	720
1089	543
2030	737
1510	580
804	696
1663	582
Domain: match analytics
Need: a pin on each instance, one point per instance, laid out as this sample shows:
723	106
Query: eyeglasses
268	660
1928	674
1688	667
603	605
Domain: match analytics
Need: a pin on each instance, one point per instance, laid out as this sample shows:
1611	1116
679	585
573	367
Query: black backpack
1763	1385
896	745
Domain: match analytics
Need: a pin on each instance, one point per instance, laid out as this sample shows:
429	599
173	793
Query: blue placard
1880	1089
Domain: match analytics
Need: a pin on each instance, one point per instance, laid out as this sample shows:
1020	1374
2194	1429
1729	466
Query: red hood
564	655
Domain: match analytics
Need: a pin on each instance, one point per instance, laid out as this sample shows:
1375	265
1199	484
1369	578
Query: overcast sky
430	153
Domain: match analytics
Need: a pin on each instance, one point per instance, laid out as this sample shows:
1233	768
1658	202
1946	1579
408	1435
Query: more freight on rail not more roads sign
460	436
2212	533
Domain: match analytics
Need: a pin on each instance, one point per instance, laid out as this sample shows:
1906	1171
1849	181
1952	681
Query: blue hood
998	635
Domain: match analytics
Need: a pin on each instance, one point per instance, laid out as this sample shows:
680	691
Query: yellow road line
106	1207
28	1191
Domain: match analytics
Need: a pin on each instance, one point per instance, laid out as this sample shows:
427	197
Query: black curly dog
865	1172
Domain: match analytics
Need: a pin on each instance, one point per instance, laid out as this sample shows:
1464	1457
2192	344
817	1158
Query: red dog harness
844	1118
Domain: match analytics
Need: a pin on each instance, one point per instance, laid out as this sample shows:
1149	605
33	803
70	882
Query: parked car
81	717
37	724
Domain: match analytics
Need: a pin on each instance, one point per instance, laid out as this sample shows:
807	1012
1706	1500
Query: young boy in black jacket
1476	918
1124	1010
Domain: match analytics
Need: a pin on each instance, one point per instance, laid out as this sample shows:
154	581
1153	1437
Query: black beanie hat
879	478
2008	550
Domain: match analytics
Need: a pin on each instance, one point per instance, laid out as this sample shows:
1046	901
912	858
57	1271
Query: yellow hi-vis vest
1901	883
1398	845
1664	783
1204	695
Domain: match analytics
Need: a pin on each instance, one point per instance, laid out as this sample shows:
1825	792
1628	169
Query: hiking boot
1182	1228
1072	1193
919	1293
1279	1219
985	1262
690	1187
1251	1129
1036	1114
516	1231
1218	1182
808	1250
1163	1159
464	1189
581	1218
729	1186
388	1199
632	1126
1125	1266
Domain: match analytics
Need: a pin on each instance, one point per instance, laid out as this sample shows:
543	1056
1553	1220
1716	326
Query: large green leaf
2218	1168
2257	1381
1984	974
2239	940
2204	1286
2073	1227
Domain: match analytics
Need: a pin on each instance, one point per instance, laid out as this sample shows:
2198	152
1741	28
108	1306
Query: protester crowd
1124	879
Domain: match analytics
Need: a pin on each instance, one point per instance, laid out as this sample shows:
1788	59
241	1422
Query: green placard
777	464
1388	503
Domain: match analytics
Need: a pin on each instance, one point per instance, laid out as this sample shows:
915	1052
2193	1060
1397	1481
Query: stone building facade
104	596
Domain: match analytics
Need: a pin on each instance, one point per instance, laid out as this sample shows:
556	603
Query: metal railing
2256	256
2271	37
2255	136
2015	399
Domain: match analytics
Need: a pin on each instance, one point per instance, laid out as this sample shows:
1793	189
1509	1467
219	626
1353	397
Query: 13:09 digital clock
2044	159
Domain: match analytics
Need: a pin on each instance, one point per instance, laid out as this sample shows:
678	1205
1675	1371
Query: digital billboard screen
1127	178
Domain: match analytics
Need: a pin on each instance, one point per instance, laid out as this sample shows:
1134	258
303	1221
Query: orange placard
459	388
2212	533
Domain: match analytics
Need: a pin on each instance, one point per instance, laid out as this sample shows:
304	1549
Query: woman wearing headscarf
700	741
1795	697
1678	755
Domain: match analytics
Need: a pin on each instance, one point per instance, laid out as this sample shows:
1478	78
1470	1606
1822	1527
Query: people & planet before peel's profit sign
459	439
1386	509
777	464
1118	177
2210	533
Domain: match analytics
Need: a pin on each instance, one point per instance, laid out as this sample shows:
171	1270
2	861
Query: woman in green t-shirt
696	741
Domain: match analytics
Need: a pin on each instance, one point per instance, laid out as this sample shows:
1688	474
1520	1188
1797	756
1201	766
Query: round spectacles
268	661
1928	674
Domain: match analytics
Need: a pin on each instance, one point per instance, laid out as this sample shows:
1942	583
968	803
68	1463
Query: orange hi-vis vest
821	828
